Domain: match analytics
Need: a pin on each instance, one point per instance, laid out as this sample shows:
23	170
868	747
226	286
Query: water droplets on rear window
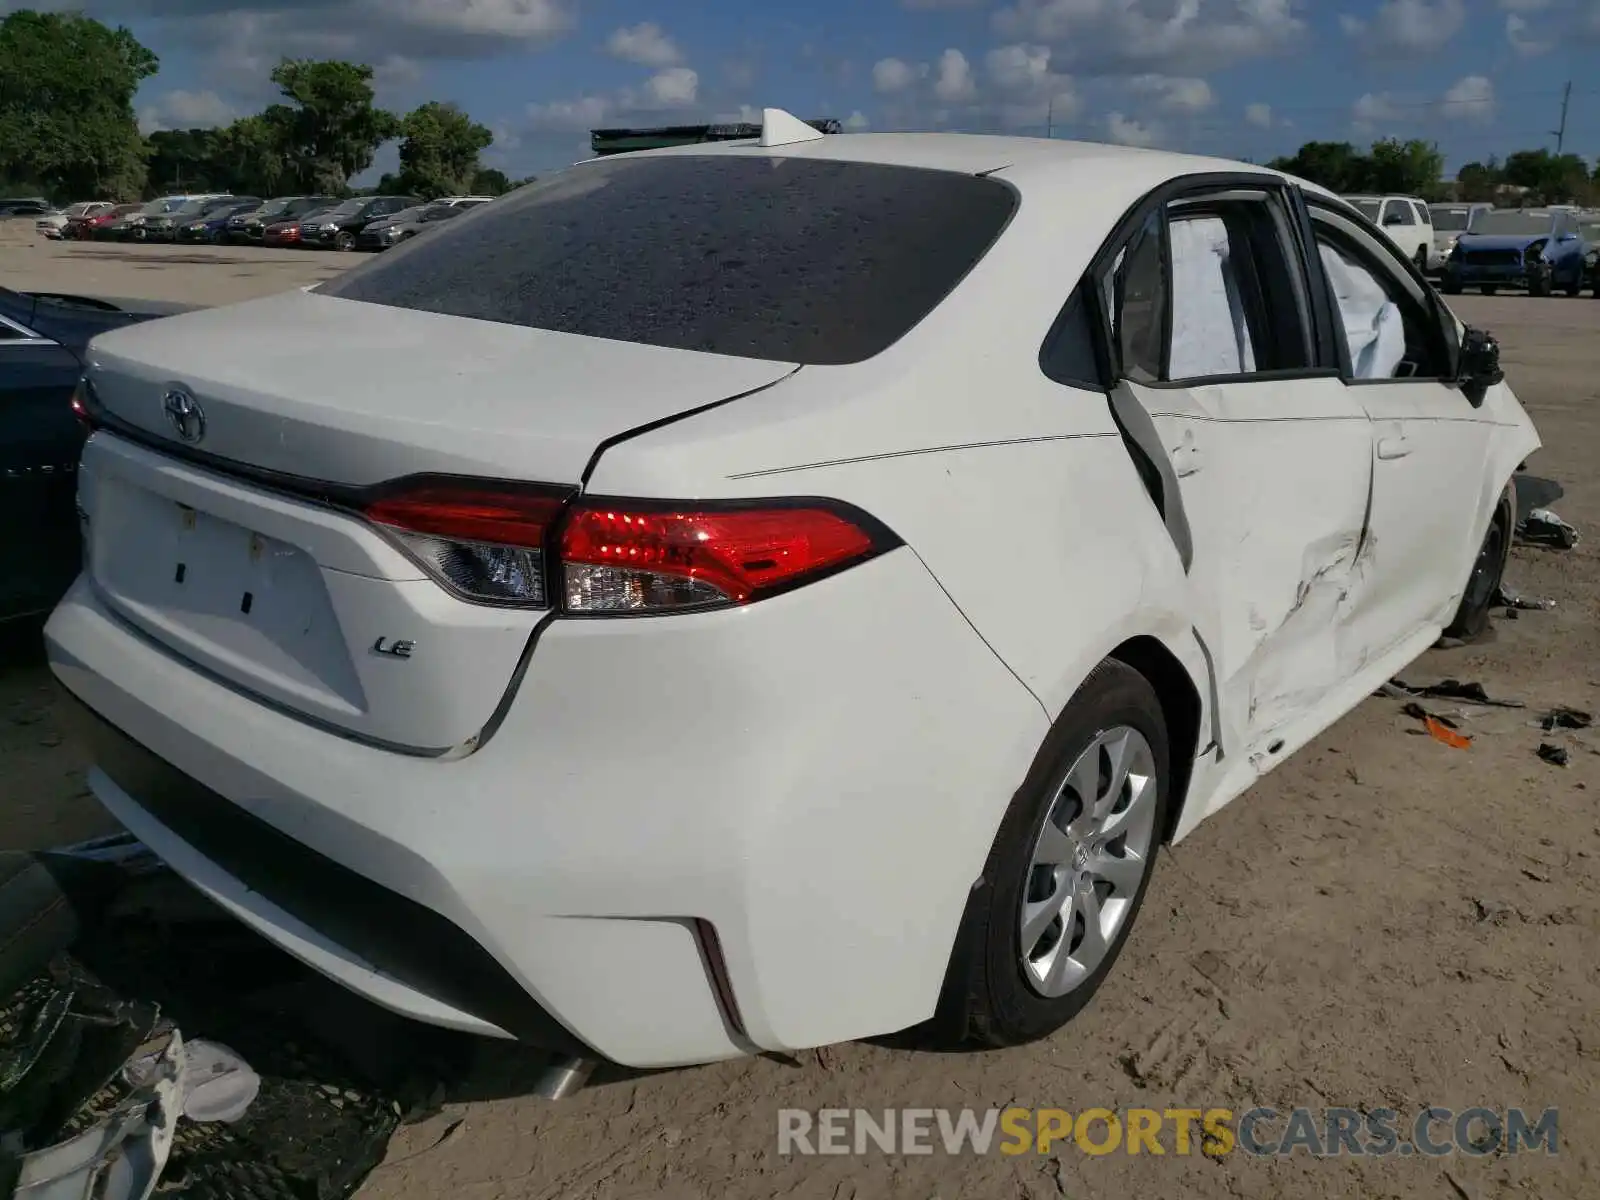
787	259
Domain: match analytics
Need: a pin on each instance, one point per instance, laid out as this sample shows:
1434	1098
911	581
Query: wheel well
1180	708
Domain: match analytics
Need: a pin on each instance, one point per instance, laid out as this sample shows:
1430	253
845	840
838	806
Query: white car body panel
746	768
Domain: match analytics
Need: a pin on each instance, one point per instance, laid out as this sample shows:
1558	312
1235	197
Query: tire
994	993
1539	287
1488	569
344	241
1449	286
1489	289
1575	288
1422	261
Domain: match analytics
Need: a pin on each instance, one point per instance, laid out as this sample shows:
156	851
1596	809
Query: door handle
1393	447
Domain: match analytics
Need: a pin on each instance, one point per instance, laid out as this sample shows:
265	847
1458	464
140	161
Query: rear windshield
786	259
1450	220
1369	209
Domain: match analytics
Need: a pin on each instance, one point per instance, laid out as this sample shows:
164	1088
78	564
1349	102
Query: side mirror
1479	365
1394	219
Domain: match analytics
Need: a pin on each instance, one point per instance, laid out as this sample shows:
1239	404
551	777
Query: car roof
1029	162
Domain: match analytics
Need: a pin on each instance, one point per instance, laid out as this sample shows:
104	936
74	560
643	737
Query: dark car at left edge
43	341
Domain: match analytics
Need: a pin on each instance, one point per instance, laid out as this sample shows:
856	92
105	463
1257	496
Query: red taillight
485	541
640	558
495	542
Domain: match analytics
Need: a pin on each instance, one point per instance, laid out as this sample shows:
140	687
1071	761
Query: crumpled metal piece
1544	528
121	1156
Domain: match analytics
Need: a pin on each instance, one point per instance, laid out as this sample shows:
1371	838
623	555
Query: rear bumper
816	779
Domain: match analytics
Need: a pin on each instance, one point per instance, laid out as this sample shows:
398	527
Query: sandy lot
1384	921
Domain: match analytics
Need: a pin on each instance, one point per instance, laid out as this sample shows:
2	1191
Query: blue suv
1536	248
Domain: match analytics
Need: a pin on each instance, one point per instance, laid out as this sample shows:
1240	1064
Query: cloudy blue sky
1246	78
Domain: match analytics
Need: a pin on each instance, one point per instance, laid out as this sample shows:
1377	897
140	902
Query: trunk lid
353	393
302	605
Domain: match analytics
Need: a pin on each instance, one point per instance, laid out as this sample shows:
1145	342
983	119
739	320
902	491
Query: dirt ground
1384	921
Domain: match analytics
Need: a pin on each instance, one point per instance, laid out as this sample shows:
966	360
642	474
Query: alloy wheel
1088	861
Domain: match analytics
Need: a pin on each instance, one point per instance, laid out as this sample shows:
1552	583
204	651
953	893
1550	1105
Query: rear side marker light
539	547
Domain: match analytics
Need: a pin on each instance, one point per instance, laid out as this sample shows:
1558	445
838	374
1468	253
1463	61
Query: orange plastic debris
1445	734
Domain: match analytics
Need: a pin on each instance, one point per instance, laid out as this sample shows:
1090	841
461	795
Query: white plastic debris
122	1156
217	1084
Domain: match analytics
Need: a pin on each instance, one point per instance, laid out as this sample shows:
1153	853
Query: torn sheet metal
1543	528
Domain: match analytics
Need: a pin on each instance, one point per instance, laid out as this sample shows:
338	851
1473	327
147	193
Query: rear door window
787	259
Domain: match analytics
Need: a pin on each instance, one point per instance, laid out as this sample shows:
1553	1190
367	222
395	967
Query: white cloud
953	83
1128	132
1259	115
1020	68
1471	98
857	122
891	75
1180	37
1522	41
644	44
1372	109
518	19
1175	93
1401	28
586	112
673	90
185	110
676	87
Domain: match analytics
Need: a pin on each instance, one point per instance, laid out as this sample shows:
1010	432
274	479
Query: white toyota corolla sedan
757	595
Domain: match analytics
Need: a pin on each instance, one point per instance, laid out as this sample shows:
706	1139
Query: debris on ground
1554	755
1440	728
1562	717
1512	600
1453	689
104	1092
1541	527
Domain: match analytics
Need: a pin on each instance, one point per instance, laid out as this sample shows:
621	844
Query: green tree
489	181
1412	168
184	159
1480	181
332	127
66	105
1549	178
1337	166
250	156
439	156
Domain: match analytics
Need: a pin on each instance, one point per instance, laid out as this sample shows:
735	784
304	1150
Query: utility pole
1050	119
1561	133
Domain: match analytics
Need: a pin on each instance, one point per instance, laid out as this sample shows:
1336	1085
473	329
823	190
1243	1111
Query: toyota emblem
185	415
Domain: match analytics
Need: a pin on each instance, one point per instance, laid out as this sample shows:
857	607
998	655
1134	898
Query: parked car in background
131	227
42	340
1450	221
33	206
1534	248
164	228
338	228
290	232
248	227
407	223
548	629
1589	234
54	225
92	225
1405	219
208	226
